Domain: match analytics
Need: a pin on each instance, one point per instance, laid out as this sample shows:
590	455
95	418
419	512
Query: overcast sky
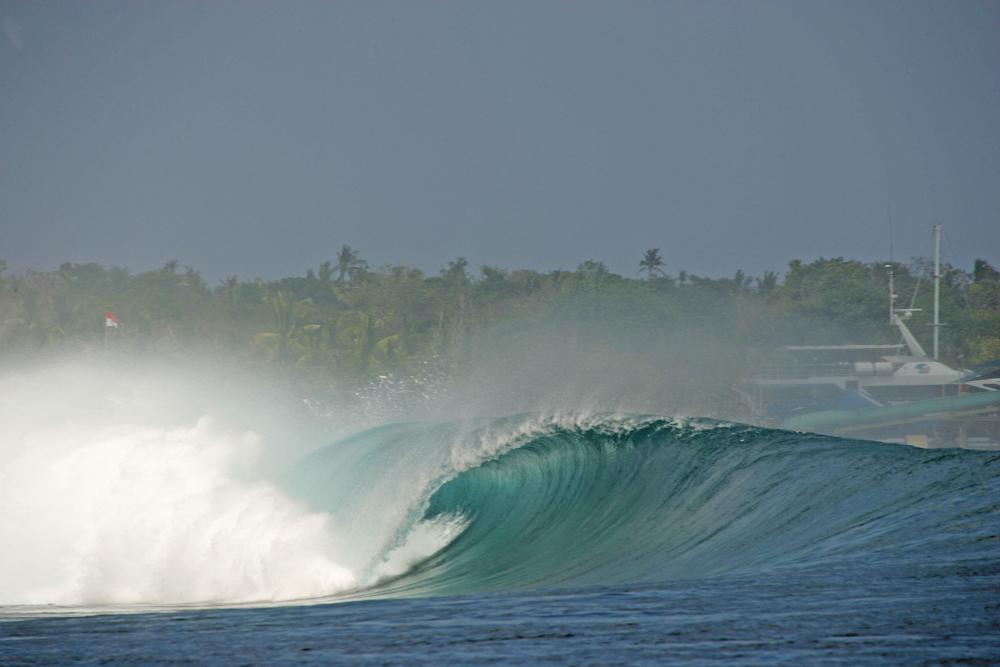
255	138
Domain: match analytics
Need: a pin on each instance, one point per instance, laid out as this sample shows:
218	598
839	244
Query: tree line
348	321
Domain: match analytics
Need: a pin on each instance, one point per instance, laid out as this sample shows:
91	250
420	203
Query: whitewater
133	497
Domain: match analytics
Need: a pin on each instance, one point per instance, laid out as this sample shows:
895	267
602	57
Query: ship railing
799	371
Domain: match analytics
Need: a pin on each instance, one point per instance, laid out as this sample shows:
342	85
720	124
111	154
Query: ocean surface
567	539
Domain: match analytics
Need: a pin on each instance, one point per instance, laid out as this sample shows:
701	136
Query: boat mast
937	287
892	295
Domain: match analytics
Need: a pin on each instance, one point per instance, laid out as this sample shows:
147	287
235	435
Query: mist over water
582	360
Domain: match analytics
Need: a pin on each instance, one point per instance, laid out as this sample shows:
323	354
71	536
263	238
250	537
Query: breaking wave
108	502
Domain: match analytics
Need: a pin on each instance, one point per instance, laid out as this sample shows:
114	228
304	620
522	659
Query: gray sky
255	138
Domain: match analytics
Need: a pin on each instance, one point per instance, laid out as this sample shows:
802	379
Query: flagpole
110	321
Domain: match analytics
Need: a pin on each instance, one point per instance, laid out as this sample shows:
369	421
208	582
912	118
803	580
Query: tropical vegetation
348	322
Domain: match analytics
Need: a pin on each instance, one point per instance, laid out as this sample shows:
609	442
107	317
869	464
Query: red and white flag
110	320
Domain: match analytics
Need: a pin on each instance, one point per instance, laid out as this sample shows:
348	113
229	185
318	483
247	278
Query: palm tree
456	274
981	272
768	283
741	280
226	291
290	340
325	272
651	263
349	264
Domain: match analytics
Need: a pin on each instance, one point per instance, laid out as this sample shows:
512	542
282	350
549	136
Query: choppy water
568	539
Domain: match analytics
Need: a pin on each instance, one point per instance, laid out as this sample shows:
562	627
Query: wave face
628	500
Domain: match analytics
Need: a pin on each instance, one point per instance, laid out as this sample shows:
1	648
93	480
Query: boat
891	393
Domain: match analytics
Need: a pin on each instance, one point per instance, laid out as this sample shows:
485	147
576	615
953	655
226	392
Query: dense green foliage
349	322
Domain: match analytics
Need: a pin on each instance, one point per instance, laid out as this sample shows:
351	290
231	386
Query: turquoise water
605	539
636	500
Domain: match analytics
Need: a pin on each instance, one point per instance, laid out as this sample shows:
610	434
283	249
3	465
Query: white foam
104	503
